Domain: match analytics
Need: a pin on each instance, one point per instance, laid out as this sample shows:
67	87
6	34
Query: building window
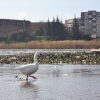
89	18
82	24
89	13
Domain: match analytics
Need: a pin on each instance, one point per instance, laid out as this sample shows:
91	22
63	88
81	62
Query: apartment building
69	23
10	26
90	23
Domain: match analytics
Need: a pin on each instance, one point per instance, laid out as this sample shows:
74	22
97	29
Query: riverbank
66	44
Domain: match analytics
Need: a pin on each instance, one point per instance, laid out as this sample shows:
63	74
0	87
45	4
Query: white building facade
69	23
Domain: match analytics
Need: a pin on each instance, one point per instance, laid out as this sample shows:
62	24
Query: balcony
90	16
94	16
94	13
94	19
90	21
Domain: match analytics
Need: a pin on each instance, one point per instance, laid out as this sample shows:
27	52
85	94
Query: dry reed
67	44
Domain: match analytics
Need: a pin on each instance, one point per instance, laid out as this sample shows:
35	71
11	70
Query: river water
54	82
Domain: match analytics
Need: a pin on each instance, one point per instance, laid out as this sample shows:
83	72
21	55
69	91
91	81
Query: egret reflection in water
54	71
28	90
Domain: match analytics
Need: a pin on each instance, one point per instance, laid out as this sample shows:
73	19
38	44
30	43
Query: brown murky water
55	82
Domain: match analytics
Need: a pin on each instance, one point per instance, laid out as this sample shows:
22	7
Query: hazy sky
41	10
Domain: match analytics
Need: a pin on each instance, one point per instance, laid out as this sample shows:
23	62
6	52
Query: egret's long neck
35	59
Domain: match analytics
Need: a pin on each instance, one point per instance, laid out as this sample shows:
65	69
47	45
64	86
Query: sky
41	10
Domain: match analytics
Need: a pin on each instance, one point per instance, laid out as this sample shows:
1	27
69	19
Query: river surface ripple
55	82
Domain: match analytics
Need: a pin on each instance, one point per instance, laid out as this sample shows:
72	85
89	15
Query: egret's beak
40	54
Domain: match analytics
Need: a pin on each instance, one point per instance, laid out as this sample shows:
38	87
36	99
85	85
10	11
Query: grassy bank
67	44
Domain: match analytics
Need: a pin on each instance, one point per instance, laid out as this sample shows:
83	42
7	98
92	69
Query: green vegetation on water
55	57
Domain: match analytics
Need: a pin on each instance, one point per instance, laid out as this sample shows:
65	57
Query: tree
60	30
48	28
75	29
19	38
55	29
39	32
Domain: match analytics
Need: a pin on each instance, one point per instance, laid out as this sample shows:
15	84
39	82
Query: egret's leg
27	77
33	77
